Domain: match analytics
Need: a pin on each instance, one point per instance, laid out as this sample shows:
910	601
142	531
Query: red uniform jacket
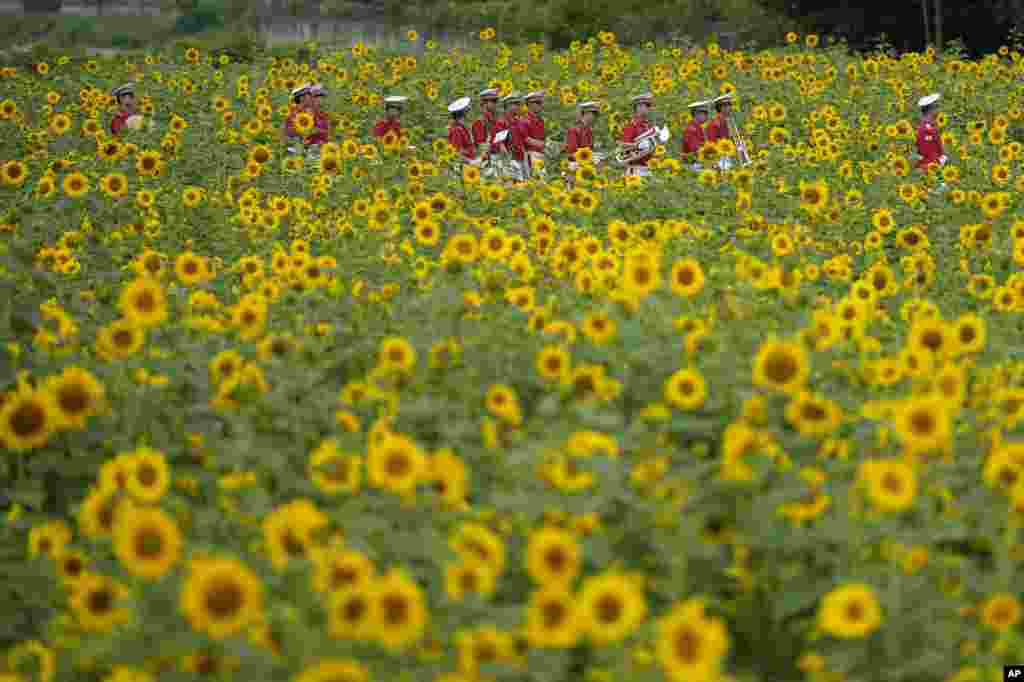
635	129
534	127
460	138
483	128
322	121
515	142
929	144
384	126
577	137
718	128
118	121
693	138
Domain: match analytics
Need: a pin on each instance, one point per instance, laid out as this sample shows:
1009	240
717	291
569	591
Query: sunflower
813	415
691	645
99	511
686	389
77	395
221	597
28	419
338	569
554	363
352	613
396	354
553	557
147	542
149	475
924	424
969	334
468	576
114	185
1001	612
612	606
400	613
781	365
290	531
640	276
813	196
686	278
850	612
143	302
95	602
476	541
149	163
191	269
13	173
396	464
334	670
49	539
891	483
75	184
553	619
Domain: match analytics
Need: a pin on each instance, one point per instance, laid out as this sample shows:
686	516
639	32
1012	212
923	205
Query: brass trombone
741	144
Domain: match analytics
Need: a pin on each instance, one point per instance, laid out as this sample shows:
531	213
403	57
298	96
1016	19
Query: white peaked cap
461	104
489	93
722	98
124	90
703	104
536	94
589	106
929	100
396	100
643	97
317	89
301	90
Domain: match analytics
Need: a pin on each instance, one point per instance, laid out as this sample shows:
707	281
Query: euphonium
643	145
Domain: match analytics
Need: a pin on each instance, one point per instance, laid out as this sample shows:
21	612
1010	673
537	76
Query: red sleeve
479	131
117	122
571	142
629	133
381	129
289	123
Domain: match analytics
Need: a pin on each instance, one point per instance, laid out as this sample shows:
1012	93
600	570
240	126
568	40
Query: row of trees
979	24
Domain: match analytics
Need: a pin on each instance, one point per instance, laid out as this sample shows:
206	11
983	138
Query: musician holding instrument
483	127
533	125
514	142
637	127
694	137
458	134
392	113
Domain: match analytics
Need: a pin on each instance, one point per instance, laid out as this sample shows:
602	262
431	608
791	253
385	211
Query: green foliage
204	16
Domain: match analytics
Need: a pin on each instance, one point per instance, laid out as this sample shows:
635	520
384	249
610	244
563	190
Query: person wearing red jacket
125	96
637	127
458	134
929	141
718	128
515	143
694	137
580	136
300	102
533	125
322	121
392	113
483	127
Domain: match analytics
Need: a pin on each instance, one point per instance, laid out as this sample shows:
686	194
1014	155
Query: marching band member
458	134
125	96
514	144
638	126
392	113
929	141
580	136
533	125
694	137
300	102
483	127
719	127
322	126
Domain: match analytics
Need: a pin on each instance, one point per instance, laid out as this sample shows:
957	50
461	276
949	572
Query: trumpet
741	144
643	145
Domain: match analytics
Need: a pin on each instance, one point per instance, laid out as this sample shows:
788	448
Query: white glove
942	159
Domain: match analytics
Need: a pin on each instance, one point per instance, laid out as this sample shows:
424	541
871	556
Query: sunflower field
374	417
